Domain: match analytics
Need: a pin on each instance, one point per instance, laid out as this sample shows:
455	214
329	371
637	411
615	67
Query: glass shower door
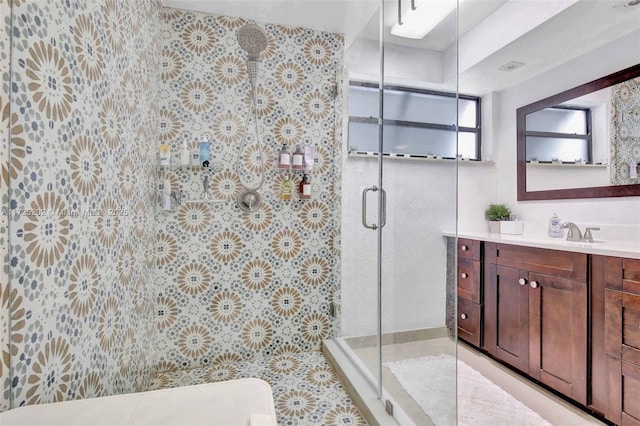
398	202
418	175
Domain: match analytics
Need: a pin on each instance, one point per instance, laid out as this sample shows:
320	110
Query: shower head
253	39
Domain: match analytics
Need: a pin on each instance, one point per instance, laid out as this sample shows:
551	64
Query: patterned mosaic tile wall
5	31
625	130
236	286
83	192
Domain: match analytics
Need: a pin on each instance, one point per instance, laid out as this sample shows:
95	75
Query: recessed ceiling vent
628	5
510	66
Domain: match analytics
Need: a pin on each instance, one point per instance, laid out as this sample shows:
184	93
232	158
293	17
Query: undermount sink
582	243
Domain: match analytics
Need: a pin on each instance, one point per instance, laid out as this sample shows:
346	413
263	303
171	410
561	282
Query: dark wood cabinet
469	290
622	339
536	314
567	319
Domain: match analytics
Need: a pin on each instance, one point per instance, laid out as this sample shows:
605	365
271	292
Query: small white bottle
185	155
165	155
554	231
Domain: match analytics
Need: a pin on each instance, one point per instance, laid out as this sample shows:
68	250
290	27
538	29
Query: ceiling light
510	66
419	22
627	5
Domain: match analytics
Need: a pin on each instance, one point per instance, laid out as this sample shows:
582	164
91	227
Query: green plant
497	212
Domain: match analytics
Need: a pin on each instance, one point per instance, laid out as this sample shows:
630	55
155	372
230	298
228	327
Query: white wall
420	205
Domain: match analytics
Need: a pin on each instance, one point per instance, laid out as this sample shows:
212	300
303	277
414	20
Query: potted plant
494	214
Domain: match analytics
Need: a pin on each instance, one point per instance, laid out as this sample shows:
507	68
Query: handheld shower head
254	40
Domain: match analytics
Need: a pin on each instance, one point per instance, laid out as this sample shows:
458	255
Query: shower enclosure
399	183
108	287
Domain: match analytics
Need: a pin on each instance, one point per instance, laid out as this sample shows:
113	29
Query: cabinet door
630	394
558	334
507	315
624	392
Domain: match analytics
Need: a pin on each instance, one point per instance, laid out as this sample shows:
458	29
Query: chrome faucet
574	233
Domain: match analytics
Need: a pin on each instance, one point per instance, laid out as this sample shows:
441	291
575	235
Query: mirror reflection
586	137
587	141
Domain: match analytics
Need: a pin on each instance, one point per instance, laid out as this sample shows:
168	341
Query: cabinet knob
464	248
534	284
464	316
522	281
464	275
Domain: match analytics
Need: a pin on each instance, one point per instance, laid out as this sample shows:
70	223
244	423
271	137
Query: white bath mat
431	383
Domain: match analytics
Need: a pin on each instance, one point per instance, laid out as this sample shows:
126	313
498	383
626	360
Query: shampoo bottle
305	188
285	190
298	158
284	158
205	152
554	231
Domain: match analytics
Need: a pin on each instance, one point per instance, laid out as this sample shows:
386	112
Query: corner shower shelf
214	167
204	201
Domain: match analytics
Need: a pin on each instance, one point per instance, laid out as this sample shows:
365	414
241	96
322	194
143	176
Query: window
559	133
416	122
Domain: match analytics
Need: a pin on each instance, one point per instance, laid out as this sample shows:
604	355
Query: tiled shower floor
305	387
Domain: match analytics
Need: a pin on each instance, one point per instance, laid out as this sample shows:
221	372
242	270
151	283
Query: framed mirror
583	142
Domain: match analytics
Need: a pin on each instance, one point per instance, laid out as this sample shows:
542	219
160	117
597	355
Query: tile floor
305	387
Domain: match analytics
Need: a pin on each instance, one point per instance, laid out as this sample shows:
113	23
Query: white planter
494	226
513	227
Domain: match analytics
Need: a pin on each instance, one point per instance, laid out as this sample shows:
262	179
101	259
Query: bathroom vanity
565	315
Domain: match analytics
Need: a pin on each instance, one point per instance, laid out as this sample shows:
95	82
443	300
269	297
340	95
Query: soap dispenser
555	231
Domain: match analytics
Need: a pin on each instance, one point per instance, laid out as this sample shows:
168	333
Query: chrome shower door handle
383	214
364	207
383	222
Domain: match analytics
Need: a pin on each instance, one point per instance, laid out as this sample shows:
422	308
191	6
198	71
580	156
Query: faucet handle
587	233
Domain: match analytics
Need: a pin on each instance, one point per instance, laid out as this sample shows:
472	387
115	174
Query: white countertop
243	402
629	249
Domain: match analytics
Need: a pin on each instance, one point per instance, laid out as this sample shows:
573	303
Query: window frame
588	136
420	124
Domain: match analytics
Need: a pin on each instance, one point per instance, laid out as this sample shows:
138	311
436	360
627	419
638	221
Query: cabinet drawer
468	249
631	275
555	263
469	318
469	273
630	317
622	325
622	274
